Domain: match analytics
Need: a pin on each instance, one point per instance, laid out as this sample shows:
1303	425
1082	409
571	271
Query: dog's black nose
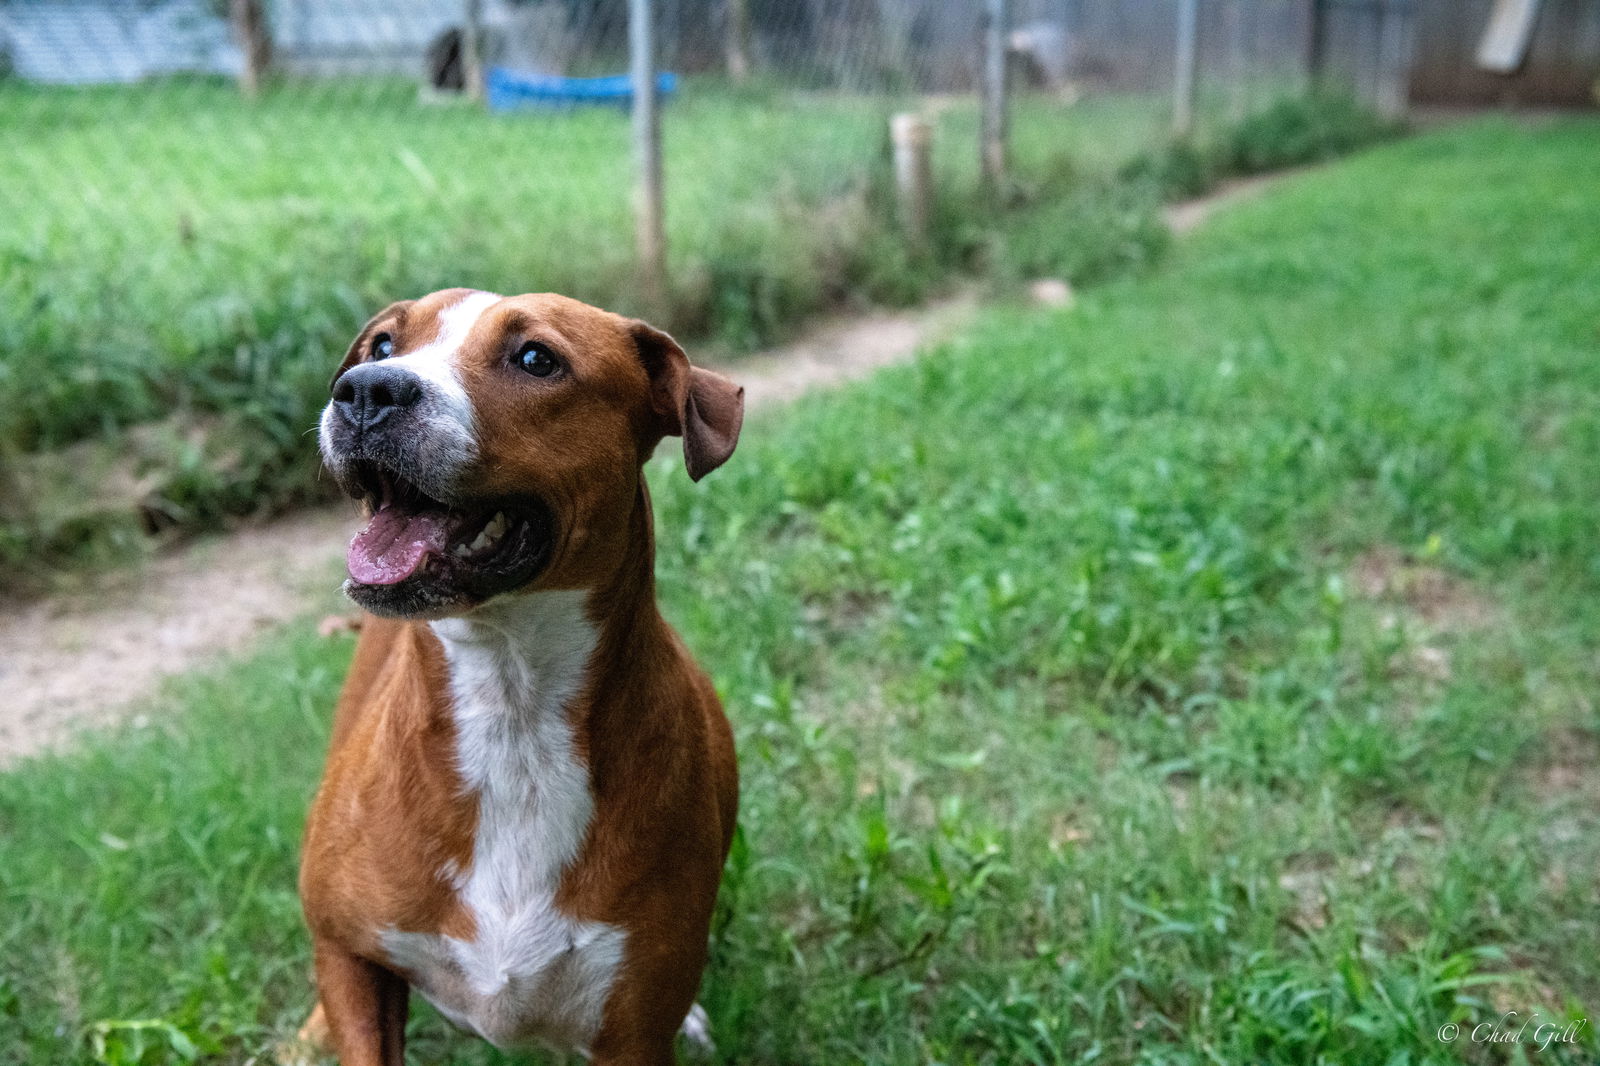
366	394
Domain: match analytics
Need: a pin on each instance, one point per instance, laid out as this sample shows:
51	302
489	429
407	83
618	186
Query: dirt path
1186	216
80	660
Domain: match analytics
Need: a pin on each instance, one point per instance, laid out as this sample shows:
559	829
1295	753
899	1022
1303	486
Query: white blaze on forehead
436	362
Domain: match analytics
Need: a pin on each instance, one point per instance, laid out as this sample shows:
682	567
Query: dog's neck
526	656
532	653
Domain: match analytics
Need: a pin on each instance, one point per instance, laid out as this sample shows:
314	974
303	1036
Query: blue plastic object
509	90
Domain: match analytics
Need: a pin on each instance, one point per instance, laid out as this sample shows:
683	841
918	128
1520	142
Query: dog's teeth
461	551
492	531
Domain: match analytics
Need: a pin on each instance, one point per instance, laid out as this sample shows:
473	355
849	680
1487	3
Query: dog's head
497	443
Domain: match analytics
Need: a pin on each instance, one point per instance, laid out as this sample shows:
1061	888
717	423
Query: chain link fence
202	199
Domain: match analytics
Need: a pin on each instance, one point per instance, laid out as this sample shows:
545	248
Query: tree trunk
254	36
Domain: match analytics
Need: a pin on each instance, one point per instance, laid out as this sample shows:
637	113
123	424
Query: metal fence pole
996	23
1235	23
650	240
1316	44
1394	57
472	49
1184	61
737	42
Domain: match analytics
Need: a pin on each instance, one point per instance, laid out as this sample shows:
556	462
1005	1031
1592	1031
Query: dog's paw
297	1052
696	1029
308	1047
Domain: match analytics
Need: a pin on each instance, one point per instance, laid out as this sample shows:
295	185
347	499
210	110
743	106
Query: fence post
1316	45
1394	33
738	39
254	35
1184	62
912	140
996	23
650	241
1235	23
472	49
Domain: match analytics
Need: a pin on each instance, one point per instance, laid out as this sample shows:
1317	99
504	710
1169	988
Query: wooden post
254	35
1184	61
996	24
472	49
737	13
650	242
912	140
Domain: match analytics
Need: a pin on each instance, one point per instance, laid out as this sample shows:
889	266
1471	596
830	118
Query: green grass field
1202	675
208	250
172	255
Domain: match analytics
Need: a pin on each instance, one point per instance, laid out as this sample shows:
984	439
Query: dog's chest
529	971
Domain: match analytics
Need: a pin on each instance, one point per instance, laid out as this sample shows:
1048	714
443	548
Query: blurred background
211	194
1186	655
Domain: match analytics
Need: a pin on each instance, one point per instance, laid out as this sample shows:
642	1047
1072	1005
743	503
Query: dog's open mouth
475	548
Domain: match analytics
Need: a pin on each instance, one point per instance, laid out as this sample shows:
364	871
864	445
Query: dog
531	788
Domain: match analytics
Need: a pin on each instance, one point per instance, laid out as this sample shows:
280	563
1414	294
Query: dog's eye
382	346
534	358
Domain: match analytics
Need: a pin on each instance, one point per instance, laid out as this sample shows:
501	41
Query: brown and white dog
531	786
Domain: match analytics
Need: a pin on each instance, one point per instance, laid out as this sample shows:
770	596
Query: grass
225	256
182	261
1202	675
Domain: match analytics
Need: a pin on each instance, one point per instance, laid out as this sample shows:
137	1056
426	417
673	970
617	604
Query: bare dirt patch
1183	217
1429	601
844	349
1440	600
78	660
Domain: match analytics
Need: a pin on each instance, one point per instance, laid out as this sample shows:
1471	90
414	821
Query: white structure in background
1506	37
333	37
1046	48
81	42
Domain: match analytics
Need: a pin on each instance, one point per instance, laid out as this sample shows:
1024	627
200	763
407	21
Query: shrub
1098	231
1301	129
1178	169
1291	131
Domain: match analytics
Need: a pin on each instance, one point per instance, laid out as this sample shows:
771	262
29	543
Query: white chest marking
530	971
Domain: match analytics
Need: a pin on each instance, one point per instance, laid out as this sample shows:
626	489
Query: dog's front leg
365	1007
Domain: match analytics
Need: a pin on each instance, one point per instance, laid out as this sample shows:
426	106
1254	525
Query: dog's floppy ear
358	347
706	409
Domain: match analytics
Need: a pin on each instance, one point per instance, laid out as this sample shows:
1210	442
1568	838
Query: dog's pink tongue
393	545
